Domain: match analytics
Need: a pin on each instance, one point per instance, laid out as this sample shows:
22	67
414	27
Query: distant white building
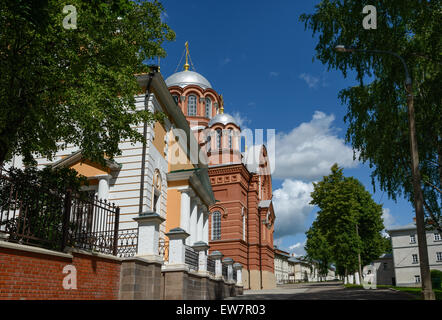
381	269
406	254
282	269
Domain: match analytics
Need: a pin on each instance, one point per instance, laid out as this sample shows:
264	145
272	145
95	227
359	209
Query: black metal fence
191	258
224	271
211	265
163	249
127	242
48	218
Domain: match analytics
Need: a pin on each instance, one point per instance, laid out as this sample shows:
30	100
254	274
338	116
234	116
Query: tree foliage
348	220
377	114
318	249
74	86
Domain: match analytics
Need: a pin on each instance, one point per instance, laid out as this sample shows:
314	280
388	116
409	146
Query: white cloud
311	80
242	121
297	249
309	150
292	207
388	218
273	74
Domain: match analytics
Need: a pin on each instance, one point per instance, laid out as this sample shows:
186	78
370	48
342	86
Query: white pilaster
103	187
185	209
193	221
200	223
206	227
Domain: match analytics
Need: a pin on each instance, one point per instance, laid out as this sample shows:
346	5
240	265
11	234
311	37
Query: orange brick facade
244	236
35	276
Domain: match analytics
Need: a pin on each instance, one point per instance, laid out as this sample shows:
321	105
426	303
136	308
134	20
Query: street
321	291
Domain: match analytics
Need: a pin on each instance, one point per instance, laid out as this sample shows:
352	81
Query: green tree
349	219
318	249
377	114
74	86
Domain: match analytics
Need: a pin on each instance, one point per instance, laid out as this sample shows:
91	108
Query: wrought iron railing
191	258
211	265
41	216
163	249
224	271
127	242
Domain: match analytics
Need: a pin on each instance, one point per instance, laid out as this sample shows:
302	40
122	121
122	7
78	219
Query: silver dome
185	78
223	118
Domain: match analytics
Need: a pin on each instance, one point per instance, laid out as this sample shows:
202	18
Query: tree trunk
427	291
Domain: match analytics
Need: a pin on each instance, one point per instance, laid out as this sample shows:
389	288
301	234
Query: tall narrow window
436	237
412	238
216	225
415	259
208	108
438	256
191	105
218	138
230	133
175	98
417	279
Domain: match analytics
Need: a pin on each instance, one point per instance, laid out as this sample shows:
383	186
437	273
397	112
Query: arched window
230	133
208	108
175	97
216	225
218	138
191	105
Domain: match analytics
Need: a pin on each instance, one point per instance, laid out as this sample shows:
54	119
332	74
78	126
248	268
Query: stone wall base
188	285
140	280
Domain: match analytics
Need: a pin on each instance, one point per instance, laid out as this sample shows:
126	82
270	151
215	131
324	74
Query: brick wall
32	273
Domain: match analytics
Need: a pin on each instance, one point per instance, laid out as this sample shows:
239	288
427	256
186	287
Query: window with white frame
437	237
191	105
417	278
415	259
412	238
439	256
208	108
216	225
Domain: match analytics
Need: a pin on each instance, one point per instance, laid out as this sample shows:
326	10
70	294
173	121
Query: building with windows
161	177
242	219
282	266
381	269
406	254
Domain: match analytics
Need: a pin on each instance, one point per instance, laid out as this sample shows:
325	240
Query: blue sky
258	55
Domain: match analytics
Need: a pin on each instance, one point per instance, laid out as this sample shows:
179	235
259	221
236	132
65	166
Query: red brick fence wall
34	273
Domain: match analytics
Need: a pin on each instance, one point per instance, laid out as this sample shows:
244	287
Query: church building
241	222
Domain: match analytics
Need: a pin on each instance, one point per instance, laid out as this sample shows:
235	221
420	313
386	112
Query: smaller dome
223	118
185	78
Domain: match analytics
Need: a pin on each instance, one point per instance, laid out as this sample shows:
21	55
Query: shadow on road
322	291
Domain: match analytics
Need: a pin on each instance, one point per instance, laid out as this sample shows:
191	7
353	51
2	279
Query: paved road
321	291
